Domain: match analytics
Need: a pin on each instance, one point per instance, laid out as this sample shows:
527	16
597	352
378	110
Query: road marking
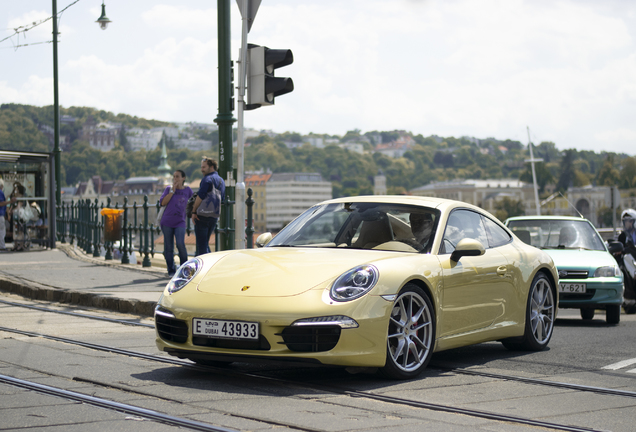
621	364
631	371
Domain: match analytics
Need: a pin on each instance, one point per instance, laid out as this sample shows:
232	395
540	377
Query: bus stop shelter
35	171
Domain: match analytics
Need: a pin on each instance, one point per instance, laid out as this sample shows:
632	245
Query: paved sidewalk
68	275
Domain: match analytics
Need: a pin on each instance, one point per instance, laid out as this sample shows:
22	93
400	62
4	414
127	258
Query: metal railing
81	223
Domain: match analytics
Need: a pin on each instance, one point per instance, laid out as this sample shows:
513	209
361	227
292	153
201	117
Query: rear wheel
613	314
411	334
540	314
587	313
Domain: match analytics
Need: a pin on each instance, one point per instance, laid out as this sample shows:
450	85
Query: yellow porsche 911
369	281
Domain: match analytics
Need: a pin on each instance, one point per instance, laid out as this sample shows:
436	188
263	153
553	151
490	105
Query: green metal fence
81	223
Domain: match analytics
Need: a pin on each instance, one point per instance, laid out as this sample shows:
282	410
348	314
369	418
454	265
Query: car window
463	224
557	234
360	225
497	236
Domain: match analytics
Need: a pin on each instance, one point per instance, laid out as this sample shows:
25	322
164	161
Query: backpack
190	205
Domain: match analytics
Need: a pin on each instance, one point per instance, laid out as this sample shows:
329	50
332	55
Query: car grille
261	344
572	274
311	338
171	329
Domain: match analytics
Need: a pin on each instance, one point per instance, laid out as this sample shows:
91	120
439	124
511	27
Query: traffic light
262	85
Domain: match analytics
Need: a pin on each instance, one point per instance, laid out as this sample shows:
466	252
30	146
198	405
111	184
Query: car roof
546	217
439	203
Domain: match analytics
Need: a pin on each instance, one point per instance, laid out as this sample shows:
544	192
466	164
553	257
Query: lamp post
56	112
103	22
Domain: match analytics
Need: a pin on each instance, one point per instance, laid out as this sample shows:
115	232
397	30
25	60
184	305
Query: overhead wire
25	28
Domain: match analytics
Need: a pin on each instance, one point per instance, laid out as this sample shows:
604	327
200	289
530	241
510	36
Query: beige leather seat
373	233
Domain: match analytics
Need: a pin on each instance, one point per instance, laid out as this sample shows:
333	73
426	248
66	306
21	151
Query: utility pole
224	120
532	160
248	9
56	112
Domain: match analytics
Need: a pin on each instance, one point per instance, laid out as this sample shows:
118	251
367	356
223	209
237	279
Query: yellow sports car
368	281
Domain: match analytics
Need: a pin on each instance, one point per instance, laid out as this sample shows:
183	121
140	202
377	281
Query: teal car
589	277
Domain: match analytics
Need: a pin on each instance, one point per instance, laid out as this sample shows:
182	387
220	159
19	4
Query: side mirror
263	239
615	247
467	247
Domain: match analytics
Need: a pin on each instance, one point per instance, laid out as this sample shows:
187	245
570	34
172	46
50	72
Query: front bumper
364	346
598	294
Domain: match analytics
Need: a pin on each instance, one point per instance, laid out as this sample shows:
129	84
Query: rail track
342	389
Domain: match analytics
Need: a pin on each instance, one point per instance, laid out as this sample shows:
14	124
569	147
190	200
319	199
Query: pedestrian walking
3	211
173	222
207	206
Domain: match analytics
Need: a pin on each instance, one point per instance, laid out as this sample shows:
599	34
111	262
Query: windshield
380	226
557	234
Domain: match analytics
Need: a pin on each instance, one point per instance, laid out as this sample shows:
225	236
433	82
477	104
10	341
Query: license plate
223	329
572	287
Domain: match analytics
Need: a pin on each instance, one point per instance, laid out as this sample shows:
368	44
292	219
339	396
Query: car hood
276	272
580	259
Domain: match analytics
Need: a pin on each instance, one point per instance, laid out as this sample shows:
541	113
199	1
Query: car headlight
607	271
354	283
184	274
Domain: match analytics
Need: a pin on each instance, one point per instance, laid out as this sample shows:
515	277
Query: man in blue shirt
3	212
207	206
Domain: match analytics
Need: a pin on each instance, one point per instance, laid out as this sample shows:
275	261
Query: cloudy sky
483	68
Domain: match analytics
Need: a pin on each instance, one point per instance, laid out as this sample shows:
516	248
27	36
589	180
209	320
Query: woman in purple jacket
173	222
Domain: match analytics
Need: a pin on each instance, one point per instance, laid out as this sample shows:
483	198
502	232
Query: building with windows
258	182
100	136
288	195
482	193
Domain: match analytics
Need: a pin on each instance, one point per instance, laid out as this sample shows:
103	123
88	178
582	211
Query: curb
37	291
78	254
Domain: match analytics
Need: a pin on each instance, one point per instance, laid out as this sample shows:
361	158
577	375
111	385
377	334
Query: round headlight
354	284
184	274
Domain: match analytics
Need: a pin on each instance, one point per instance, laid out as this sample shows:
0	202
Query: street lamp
103	23
103	20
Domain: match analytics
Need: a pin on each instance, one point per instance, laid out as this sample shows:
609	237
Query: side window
497	236
463	224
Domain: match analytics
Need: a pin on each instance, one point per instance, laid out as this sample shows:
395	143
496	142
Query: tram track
346	391
112	405
535	381
304	385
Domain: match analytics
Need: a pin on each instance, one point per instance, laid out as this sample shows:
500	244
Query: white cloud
484	68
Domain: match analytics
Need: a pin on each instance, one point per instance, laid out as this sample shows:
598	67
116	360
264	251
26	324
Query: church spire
164	169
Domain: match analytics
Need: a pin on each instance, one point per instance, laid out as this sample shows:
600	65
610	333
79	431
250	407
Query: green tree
608	175
543	174
627	173
507	207
568	172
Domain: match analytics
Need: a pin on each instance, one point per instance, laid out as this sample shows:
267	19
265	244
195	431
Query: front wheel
411	334
540	315
587	313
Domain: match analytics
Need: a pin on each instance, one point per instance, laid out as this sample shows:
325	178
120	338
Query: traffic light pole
224	120
240	135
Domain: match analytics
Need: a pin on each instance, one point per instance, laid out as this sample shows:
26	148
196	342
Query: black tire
411	334
587	313
540	315
613	314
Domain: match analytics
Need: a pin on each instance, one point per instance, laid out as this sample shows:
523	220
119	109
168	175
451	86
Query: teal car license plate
572	288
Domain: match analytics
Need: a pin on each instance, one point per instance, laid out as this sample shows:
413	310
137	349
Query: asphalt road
289	397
